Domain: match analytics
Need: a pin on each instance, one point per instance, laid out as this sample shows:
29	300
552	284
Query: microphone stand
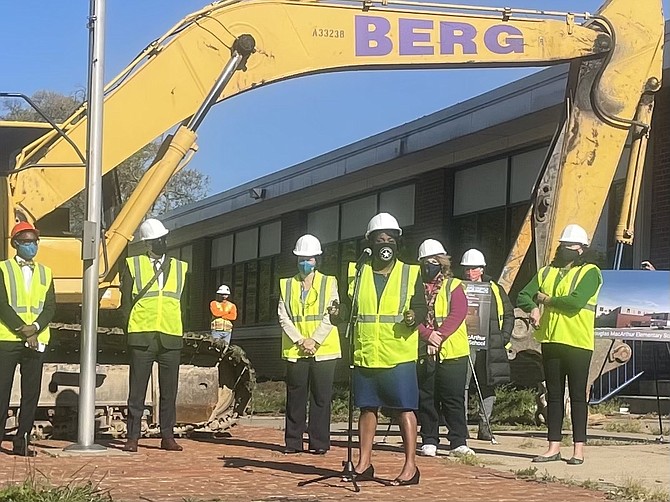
348	474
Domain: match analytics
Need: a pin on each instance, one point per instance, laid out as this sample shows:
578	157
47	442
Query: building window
246	245
525	168
481	187
324	224
222	251
400	203
270	242
355	216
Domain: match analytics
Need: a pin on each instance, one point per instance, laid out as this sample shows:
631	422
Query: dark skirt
394	388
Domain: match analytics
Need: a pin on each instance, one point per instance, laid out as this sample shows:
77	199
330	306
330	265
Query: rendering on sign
634	305
479	312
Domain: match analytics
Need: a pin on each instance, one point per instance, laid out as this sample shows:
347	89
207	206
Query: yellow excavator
233	46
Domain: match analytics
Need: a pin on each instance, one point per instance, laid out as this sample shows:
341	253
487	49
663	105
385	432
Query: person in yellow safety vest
389	308
311	347
224	312
27	306
491	365
567	291
152	285
444	349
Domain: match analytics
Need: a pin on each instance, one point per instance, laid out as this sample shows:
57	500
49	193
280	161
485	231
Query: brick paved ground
249	466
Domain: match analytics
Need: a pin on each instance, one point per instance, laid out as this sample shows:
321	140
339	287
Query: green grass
269	398
527	473
471	460
514	406
627	426
633	490
34	491
608	407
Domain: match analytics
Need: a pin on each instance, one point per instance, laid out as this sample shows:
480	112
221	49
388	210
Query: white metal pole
91	238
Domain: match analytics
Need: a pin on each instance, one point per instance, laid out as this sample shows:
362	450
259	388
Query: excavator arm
616	60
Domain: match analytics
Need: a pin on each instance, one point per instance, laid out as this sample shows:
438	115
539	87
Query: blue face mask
27	251
305	267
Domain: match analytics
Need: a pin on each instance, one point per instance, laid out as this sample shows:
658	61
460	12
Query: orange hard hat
23	226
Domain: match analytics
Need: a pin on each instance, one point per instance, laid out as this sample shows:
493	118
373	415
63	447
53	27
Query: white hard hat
223	290
152	228
383	221
574	233
431	247
307	245
473	258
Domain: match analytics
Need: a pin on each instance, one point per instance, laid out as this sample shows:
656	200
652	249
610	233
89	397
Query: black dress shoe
290	451
131	445
170	444
575	461
414	480
550	458
367	474
318	451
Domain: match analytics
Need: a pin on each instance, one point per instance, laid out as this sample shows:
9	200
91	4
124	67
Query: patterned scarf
431	290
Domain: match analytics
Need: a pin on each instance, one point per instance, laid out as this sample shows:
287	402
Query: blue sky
45	47
646	290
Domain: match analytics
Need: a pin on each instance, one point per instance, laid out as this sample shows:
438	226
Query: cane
481	401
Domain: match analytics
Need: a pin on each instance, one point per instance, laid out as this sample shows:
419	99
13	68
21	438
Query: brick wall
660	192
201	286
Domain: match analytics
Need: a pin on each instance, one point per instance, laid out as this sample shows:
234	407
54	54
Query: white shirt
158	262
27	272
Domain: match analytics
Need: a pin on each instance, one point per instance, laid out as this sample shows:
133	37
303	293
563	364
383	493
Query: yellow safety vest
28	305
307	315
495	289
577	329
382	339
159	309
457	345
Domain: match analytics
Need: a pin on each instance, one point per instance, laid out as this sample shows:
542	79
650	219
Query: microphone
365	256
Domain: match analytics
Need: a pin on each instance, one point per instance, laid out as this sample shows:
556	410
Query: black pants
308	376
141	363
559	361
442	391
11	354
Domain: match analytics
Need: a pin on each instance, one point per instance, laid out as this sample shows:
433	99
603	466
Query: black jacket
497	363
143	339
11	319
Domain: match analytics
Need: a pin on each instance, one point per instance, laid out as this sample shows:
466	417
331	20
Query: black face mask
158	246
564	256
429	271
385	252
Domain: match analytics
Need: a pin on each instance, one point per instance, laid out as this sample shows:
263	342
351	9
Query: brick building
423	172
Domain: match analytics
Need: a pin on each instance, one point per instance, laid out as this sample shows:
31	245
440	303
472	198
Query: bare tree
188	185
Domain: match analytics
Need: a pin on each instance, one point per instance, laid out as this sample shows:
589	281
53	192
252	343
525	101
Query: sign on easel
634	305
479	313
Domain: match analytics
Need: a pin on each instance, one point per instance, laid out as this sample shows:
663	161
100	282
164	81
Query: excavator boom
616	63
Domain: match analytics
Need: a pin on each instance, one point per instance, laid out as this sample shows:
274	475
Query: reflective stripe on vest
382	338
576	330
28	305
308	315
158	309
457	345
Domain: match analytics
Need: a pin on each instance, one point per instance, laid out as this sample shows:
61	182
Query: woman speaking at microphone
391	304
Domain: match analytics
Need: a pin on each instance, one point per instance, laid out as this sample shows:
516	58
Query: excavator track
216	382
